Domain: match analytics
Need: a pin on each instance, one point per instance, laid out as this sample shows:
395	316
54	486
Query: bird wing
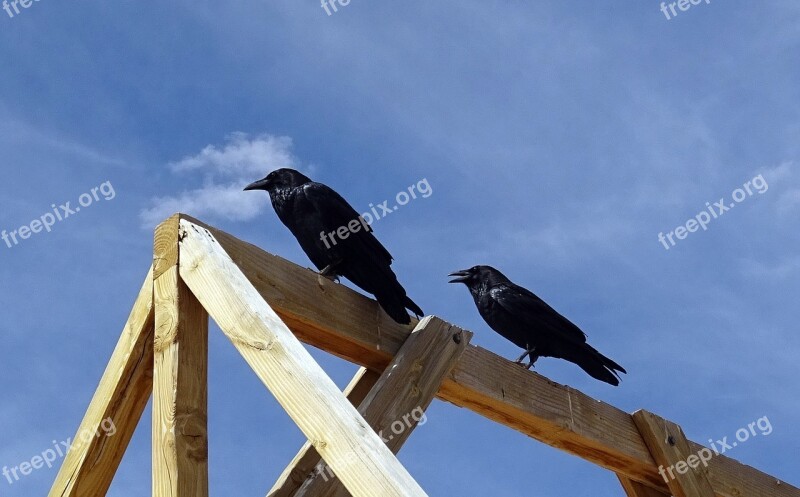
535	313
334	212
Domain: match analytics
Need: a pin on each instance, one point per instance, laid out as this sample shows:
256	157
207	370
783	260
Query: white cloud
240	156
784	178
225	171
780	173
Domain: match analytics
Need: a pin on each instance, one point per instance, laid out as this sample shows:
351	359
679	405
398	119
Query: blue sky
559	140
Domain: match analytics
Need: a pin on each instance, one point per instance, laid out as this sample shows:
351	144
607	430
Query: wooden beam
305	462
636	489
180	391
349	325
120	399
180	382
335	428
684	472
165	246
398	401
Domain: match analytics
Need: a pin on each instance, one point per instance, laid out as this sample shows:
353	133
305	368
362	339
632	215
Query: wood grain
307	460
397	402
682	469
636	489
180	391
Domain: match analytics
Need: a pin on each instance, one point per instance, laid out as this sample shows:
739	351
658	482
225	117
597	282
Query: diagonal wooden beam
397	402
307	459
683	470
335	428
120	399
636	489
349	325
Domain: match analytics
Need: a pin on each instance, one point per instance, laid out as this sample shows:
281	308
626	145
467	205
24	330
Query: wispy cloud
771	270
225	170
20	132
778	173
240	155
785	178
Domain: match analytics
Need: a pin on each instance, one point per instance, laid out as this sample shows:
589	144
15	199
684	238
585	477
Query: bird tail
597	365
410	305
395	301
381	281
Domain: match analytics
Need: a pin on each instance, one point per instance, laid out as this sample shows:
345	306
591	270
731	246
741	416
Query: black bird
336	238
526	320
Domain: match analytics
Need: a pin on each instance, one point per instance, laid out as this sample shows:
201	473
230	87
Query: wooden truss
266	306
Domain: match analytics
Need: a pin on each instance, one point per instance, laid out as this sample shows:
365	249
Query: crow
527	321
336	238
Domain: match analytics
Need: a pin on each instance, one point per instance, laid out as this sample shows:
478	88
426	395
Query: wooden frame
307	461
400	396
265	304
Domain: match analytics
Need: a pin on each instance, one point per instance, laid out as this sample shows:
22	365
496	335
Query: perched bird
336	238
527	321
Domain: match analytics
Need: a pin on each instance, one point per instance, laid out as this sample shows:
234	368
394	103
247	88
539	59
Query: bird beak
461	276
258	185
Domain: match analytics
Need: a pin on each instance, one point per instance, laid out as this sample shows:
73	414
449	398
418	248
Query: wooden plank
304	464
684	472
335	428
349	325
555	414
180	390
636	489
120	398
398	401
165	246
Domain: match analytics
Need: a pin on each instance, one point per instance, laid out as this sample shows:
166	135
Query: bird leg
532	358
330	272
520	358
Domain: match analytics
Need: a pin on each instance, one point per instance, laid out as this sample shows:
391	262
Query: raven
336	238
527	321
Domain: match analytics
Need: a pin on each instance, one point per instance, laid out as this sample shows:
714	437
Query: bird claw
329	272
529	354
321	278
